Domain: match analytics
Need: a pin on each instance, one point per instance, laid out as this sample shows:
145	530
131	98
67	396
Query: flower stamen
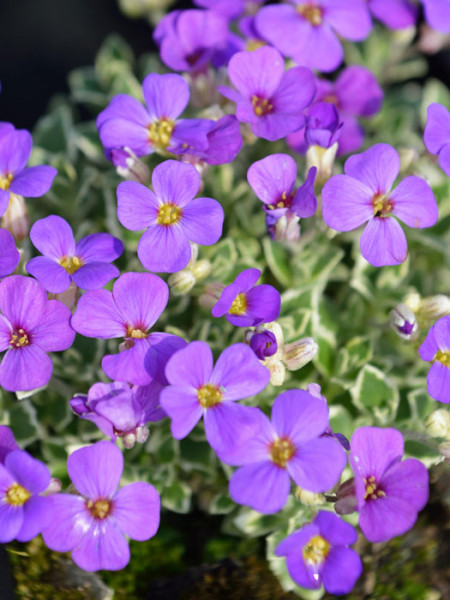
17	495
209	395
311	13
160	132
316	550
281	451
373	491
168	214
261	106
239	305
19	339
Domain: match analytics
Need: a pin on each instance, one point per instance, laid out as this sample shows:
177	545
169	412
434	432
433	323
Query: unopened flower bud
69	297
263	343
323	159
277	370
413	301
181	283
299	353
435	307
211	295
444	450
201	269
15	218
140	435
438	423
315	390
309	498
129	166
346	498
403	322
286	229
54	487
78	404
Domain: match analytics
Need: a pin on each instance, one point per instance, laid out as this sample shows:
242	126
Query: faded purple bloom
390	492
437	134
7	442
437	14
263	343
119	410
319	554
267	97
395	14
23	511
364	194
323	125
289	446
30	326
15	177
9	255
197	388
273	181
172	216
86	263
128	312
93	525
436	349
247	305
306	31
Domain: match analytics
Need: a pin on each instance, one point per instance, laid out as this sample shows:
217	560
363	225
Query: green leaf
374	392
177	497
278	261
24	424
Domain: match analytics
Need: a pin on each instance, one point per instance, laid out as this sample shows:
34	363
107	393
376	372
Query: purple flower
307	31
395	14
323	125
171	215
136	302
119	410
93	525
268	98
263	343
247	305
23	512
15	177
319	554
437	134
30	326
364	194
289	446
85	263
436	348
230	9
389	492
197	388
125	123
273	181
7	442
437	14
9	255
224	142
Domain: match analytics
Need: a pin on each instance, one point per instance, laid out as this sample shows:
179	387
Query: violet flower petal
414	203
383	242
263	486
96	470
136	510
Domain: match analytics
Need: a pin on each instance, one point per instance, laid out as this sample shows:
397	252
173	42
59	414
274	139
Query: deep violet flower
267	97
171	215
306	30
7	442
364	194
395	14
273	181
23	512
224	142
197	388
389	492
128	312
86	263
437	14
289	446
436	348
9	255
263	343
94	524
119	410
318	554
437	134
15	177
247	305
30	326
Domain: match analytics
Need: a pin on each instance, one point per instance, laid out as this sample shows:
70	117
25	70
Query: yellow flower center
443	356
99	509
16	495
316	550
311	13
209	395
239	305
372	490
168	214
261	106
160	132
71	263
252	45
331	99
5	181
137	333
281	451
381	205
19	339
283	202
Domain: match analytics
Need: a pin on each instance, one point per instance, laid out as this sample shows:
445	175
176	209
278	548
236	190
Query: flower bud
139	435
438	423
346	498
403	322
54	487
309	498
211	295
323	159
181	283
286	229
15	218
299	353
201	269
277	370
78	404
129	166
263	343
435	307
413	301
69	297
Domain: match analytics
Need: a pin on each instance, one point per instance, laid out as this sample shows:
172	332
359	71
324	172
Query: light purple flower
86	263
94	524
395	14
128	312
23	512
171	215
224	142
437	14
389	492
306	31
364	194
289	446
247	305
230	9
267	97
9	255
7	442
323	125
437	134
15	177
119	410
197	388
30	326
319	554
436	349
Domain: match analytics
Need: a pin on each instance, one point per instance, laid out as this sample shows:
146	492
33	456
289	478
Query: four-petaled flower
436	348
437	134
